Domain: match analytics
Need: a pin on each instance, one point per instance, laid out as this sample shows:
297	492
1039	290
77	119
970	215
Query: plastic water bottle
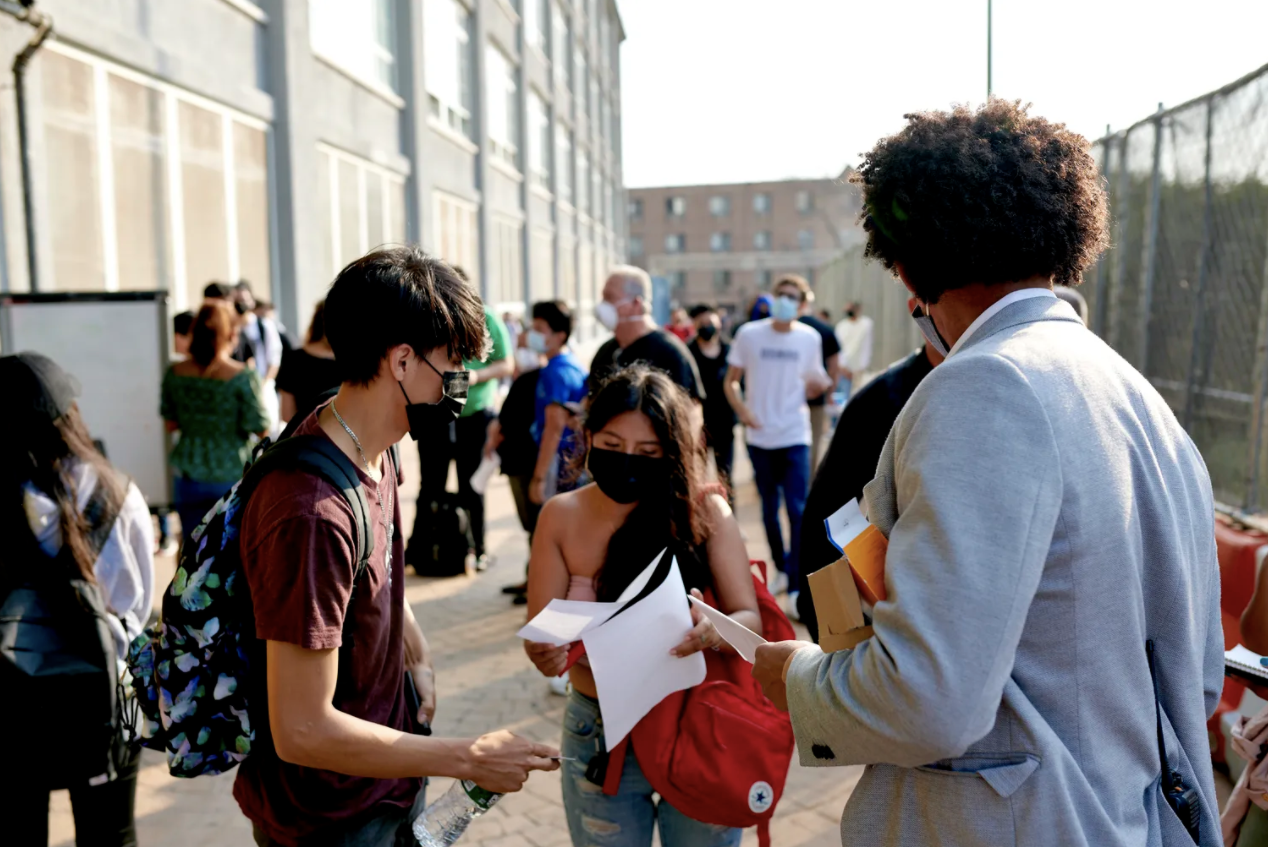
444	821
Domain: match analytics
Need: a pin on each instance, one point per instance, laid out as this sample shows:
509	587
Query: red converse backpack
719	751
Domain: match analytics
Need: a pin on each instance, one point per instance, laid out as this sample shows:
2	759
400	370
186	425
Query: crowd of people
1042	660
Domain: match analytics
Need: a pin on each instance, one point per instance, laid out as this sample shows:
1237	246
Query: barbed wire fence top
1182	293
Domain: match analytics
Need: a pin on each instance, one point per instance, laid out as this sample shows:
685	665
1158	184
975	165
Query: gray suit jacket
1046	514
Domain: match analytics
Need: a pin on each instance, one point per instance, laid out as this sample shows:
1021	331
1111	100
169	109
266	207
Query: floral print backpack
191	670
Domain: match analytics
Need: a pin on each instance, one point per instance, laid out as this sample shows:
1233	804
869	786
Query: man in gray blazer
1046	515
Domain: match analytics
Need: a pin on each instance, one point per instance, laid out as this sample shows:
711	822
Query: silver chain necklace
388	524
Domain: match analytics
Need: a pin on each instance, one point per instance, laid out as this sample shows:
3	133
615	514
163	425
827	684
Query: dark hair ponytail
213	331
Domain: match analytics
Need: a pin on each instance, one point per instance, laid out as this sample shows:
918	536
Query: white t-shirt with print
777	366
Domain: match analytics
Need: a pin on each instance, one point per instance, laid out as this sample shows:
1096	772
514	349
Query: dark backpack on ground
191	671
442	539
59	679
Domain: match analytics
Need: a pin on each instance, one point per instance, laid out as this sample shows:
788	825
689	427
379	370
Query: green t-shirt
481	396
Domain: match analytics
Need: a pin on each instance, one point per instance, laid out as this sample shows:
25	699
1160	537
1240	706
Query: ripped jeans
626	819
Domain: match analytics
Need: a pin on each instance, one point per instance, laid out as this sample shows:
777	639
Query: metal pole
1120	231
1259	381
43	29
990	35
1100	306
1199	306
1151	246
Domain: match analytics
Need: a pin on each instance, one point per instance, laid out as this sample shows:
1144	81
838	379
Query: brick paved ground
485	683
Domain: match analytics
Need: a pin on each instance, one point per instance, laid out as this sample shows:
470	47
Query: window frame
173	96
676	207
760	243
335	157
808	206
455	119
380	53
720	242
765	206
720	206
679	242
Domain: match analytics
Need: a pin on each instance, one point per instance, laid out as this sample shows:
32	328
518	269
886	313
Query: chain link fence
1183	292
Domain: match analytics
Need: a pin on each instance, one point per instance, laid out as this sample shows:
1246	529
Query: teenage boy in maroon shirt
338	763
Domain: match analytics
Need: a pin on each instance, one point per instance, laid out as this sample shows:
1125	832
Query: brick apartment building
724	244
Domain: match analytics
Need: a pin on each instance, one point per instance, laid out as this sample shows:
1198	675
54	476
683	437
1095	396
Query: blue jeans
194	500
626	819
786	471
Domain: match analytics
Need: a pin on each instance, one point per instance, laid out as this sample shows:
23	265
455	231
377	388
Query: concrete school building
175	142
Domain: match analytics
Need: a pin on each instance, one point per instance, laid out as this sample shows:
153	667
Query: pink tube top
582	588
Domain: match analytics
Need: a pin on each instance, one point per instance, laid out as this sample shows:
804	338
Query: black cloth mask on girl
431	420
626	477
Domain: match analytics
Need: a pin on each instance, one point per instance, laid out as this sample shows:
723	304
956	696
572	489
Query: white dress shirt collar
997	307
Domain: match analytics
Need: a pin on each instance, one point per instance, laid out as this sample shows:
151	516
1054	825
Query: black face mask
851	313
707	332
628	478
429	421
240	307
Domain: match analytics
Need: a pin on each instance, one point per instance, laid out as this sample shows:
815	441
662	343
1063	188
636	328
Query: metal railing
1182	293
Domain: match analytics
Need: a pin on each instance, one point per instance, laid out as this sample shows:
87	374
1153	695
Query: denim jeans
194	500
628	818
784	471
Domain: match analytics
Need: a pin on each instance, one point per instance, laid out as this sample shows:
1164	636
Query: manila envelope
866	555
837	606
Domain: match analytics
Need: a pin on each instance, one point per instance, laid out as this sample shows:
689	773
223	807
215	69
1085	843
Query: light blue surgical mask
536	342
785	309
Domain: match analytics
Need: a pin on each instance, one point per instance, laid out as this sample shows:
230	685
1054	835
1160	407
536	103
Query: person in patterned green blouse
216	404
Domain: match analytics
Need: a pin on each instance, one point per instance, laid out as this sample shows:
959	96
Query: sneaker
519	600
779	582
791	611
483	562
559	686
517	590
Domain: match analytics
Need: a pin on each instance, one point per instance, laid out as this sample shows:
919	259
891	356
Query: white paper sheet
743	639
845	524
564	621
488	467
631	660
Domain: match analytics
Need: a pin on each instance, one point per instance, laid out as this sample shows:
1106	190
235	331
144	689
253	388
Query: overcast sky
751	90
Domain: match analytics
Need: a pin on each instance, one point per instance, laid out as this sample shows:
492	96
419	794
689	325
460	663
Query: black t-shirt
660	350
830	348
518	450
307	377
850	464
718	414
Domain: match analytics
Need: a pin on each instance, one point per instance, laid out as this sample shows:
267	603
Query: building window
363	206
635	209
720	206
563	163
805	201
677	281
580	77
456	232
805	239
761	240
356	35
636	245
583	183
764	279
605	39
676	243
720	242
448	63
539	139
810	276
721	280
537	23
761	203
146	190
676	207
506	258
501	96
561	47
